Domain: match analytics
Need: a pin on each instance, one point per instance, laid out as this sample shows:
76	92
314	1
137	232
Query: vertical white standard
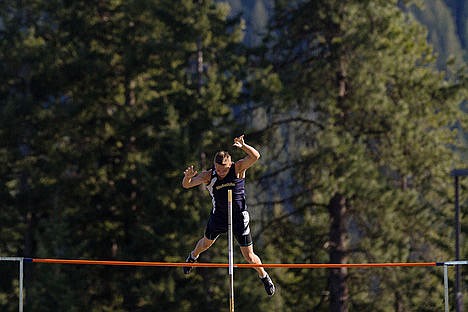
21	277
446	296
231	263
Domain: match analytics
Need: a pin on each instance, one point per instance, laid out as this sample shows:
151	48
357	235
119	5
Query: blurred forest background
358	108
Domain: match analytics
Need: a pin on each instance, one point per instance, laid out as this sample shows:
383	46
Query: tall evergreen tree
373	117
105	106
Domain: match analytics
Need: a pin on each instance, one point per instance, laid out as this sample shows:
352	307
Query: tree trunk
337	250
398	306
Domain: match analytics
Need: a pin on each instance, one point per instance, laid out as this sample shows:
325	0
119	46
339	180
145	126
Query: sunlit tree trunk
337	250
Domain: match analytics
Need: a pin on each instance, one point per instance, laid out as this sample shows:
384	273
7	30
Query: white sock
266	274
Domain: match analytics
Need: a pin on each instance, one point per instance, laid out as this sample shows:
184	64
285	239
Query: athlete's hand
239	141
190	172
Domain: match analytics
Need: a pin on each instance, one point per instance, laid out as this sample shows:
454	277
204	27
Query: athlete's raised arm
252	156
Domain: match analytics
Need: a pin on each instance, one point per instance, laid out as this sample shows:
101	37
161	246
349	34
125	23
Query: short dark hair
221	157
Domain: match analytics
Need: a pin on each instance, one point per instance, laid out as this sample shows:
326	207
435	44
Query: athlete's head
222	163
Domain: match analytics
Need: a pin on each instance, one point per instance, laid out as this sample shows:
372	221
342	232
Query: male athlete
227	175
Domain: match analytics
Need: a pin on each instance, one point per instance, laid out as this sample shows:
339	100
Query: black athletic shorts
240	227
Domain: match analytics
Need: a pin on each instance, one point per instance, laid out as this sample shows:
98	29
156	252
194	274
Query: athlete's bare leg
202	245
251	257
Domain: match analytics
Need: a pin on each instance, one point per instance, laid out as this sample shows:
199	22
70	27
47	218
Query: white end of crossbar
11	259
462	262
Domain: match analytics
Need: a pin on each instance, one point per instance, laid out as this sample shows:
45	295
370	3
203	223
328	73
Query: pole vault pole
231	261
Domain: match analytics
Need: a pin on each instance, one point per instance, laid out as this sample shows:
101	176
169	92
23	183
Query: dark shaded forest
358	109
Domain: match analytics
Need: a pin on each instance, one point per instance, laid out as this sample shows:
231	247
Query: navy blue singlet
217	223
219	196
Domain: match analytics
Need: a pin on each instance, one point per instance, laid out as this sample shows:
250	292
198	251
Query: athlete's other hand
190	172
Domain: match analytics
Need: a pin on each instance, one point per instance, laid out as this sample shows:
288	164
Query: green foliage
104	104
103	109
367	116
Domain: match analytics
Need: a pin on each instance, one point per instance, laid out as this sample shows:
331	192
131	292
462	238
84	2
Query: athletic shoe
269	286
189	259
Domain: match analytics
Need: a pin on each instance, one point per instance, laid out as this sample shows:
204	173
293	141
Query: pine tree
373	119
116	102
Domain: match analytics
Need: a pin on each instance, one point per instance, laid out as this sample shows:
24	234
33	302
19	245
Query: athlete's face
223	169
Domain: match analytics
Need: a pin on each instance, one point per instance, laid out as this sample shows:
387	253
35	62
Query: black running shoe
269	286
189	259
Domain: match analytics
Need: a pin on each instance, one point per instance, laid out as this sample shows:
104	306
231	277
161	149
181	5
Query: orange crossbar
225	265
